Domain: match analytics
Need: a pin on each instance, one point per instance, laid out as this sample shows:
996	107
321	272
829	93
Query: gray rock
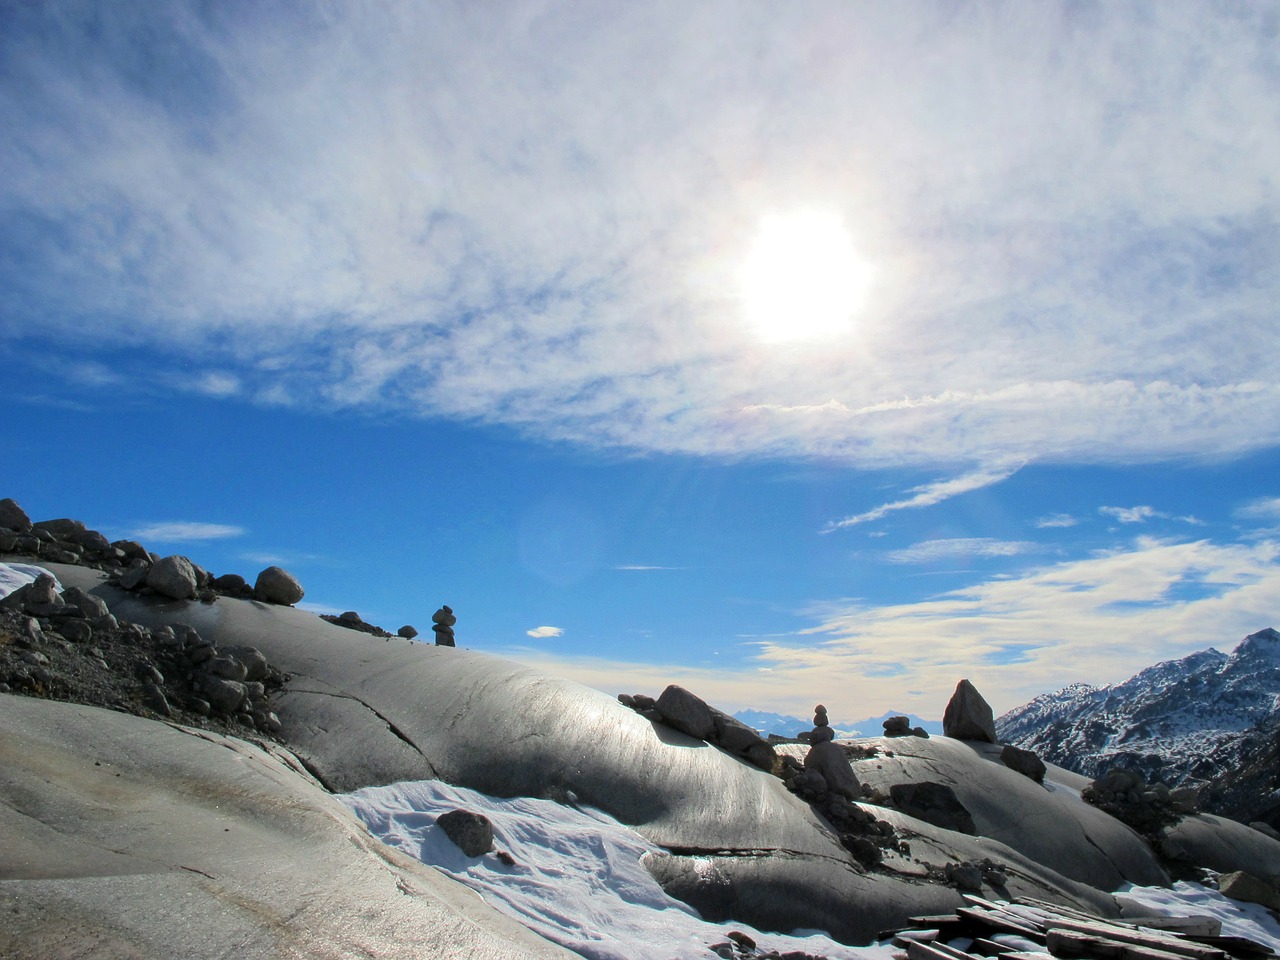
830	760
686	712
92	607
228	668
1025	762
897	727
255	662
13	517
407	631
966	876
968	716
822	734
739	739
444	616
231	583
350	616
62	529
77	631
173	577
444	635
1247	888
132	550
135	578
156	699
224	696
472	832
275	585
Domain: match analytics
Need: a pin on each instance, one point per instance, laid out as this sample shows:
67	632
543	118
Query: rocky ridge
1209	721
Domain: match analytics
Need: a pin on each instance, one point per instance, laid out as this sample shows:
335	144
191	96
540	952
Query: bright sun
802	279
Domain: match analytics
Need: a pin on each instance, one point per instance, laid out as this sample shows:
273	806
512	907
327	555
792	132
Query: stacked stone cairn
827	782
442	622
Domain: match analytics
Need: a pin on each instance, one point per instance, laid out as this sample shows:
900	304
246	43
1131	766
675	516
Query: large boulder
13	517
275	585
968	716
829	759
687	712
172	577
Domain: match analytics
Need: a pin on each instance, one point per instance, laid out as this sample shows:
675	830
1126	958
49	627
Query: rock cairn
689	713
67	645
825	779
442	622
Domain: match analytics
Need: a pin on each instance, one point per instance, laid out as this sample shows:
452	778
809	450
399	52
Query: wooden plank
999	920
1066	943
1058	909
934	951
1194	925
989	948
1151	939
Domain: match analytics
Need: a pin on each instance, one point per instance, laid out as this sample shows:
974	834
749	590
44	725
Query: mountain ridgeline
1210	718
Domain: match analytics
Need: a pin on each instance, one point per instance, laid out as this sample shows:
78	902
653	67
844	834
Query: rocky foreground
208	809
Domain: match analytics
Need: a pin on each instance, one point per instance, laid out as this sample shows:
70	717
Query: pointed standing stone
969	716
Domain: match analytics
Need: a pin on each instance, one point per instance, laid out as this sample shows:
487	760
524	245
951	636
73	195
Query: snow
1192	899
578	878
15	575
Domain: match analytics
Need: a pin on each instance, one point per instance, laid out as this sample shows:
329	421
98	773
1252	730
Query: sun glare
802	279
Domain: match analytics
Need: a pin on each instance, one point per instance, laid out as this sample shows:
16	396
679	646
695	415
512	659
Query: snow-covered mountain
788	726
1181	720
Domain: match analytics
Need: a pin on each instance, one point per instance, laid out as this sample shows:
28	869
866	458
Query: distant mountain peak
1178	720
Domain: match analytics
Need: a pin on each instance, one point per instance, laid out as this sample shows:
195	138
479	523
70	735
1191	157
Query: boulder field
357	711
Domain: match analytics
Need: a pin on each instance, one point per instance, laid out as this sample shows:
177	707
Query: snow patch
13	576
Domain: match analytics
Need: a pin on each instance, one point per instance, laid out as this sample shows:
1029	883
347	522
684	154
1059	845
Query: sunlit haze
793	352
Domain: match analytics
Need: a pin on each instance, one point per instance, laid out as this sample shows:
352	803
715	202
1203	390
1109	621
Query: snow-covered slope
1182	719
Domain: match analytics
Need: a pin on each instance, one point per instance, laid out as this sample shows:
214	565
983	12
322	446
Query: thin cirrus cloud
474	229
543	633
1099	619
931	493
182	531
1057	520
930	551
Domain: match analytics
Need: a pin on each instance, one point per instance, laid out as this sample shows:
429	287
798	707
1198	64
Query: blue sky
530	310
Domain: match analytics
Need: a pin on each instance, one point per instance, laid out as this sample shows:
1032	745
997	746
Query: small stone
255	662
350	616
1025	762
407	631
156	699
966	876
472	832
224	696
228	668
897	727
444	616
231	583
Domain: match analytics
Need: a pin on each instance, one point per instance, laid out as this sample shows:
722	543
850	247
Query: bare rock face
173	577
1247	888
969	716
275	585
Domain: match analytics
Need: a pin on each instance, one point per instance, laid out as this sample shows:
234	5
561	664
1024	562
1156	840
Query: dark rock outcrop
968	716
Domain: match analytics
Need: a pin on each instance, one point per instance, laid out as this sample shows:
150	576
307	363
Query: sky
797	353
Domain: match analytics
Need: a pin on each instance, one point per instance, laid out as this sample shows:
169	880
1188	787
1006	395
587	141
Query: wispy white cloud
542	633
932	493
1263	508
1139	514
930	551
475	228
1099	619
181	531
1057	520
